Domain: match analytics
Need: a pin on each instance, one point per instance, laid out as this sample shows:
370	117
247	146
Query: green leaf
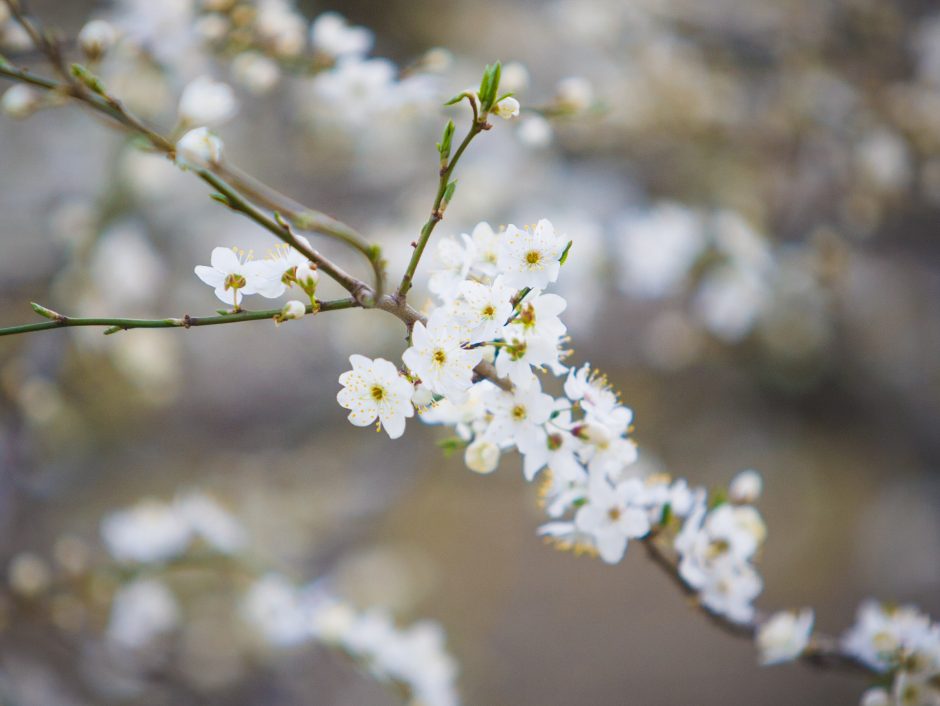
489	86
443	147
667	514
456	99
449	193
451	445
564	254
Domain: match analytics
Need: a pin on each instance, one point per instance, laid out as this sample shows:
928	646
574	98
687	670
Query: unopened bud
745	487
96	38
292	310
482	456
199	147
507	108
307	277
20	101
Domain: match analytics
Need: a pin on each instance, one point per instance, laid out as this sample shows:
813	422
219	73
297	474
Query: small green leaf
666	515
451	445
719	498
456	99
448	193
564	254
443	147
221	198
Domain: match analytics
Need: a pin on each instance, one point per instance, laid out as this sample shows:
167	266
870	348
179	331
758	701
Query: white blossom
482	310
453	259
205	101
293	309
275	273
142	611
613	515
530	257
518	415
332	36
256	72
784	636
482	456
273	606
149	531
231	274
437	357
375	389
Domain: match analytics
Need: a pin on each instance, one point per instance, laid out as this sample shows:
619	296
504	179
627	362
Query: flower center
489	311
378	393
235	281
439	356
518	412
614	514
533	257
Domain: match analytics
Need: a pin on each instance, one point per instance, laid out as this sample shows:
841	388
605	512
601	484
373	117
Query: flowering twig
114	325
445	187
301	217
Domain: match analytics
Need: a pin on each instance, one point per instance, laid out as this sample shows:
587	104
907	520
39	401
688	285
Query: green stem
117	324
479	124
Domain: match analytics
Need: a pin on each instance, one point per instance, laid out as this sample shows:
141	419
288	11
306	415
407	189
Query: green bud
88	78
564	254
443	147
448	194
43	311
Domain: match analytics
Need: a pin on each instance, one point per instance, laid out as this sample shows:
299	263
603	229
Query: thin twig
186	321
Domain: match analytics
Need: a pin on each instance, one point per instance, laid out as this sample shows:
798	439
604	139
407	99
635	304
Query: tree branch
186	321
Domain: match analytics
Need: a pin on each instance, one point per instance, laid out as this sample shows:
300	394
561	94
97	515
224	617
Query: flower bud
20	101
422	396
482	456
307	277
199	147
507	108
745	487
96	38
784	636
207	102
292	310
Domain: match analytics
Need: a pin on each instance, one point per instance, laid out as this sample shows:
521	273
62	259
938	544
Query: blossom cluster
282	615
491	306
902	642
414	658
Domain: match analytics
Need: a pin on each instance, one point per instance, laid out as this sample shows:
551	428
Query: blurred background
753	192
